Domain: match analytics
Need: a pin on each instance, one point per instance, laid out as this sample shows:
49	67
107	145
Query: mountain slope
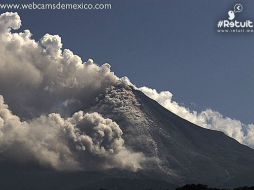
176	152
185	153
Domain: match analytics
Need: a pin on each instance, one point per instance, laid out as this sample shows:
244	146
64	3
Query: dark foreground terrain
205	187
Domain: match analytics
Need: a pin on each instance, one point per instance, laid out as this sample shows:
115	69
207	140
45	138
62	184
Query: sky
164	44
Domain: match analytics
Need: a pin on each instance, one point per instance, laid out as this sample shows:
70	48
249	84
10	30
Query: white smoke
208	119
42	70
9	21
43	86
83	141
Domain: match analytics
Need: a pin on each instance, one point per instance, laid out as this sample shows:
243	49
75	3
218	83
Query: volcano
177	152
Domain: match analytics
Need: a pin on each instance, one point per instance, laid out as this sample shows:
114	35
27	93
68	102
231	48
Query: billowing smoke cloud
32	71
83	141
208	119
43	86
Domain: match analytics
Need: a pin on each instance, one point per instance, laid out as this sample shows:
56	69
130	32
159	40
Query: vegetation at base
199	187
205	187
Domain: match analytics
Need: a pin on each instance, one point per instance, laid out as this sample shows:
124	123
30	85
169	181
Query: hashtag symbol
220	23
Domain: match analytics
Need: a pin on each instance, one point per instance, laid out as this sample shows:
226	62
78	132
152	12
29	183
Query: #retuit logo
232	24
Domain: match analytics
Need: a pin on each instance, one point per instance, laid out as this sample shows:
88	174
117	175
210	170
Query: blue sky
164	44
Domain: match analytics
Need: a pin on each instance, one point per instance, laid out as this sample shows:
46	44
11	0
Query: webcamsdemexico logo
232	24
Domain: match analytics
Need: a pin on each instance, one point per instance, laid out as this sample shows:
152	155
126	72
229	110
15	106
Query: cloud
243	133
44	86
82	141
43	70
9	21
